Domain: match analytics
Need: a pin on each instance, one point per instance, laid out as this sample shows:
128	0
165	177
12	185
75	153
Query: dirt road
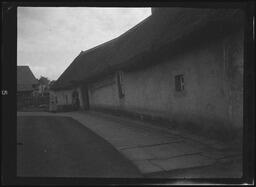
61	147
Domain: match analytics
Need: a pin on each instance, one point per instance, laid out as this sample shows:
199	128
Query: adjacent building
26	81
184	65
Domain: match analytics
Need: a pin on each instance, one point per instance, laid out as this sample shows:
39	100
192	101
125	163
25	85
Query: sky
49	38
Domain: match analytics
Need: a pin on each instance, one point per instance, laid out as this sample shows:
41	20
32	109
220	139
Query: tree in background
43	85
43	80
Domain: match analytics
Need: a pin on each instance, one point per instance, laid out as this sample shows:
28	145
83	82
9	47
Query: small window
179	83
120	75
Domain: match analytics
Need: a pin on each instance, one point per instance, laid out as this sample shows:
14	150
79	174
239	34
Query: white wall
104	94
213	87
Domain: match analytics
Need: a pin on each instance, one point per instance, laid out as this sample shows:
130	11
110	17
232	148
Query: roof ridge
112	40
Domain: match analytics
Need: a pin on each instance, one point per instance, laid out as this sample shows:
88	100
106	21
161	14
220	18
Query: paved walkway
154	149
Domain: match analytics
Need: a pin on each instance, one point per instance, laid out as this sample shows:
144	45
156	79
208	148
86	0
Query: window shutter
120	84
179	82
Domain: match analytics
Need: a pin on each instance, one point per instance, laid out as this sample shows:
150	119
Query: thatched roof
25	79
162	28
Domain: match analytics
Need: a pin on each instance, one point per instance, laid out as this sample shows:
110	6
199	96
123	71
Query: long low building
184	65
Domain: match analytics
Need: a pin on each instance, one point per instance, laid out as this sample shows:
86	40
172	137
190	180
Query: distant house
42	89
180	64
26	81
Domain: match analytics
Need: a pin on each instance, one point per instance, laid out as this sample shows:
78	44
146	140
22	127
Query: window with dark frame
120	84
179	83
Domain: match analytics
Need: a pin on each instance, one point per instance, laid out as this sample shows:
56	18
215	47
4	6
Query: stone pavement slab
137	154
145	166
170	150
219	155
185	161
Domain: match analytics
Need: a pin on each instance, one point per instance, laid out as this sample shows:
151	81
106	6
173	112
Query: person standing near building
53	102
75	100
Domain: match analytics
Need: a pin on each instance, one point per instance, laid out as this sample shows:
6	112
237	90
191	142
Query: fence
35	101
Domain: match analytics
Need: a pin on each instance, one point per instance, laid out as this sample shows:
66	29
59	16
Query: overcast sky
50	38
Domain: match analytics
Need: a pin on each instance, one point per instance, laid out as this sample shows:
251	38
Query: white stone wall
213	87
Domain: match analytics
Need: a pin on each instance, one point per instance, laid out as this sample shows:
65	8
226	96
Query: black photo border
9	78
